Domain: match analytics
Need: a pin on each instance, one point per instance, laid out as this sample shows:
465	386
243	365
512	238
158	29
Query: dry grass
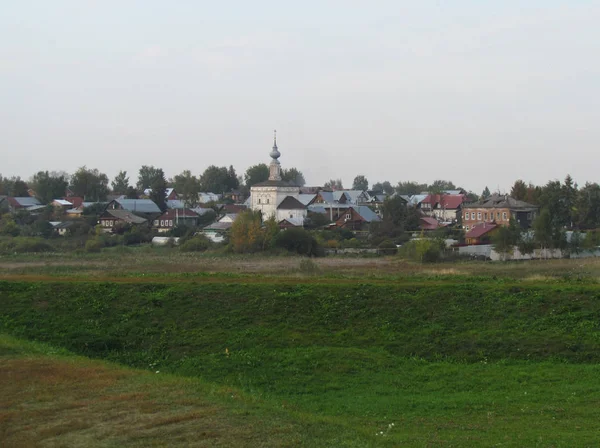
47	402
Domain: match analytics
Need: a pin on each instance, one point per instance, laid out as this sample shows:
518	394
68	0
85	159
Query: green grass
427	360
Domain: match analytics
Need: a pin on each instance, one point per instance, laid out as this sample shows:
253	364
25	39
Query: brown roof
291	203
502	201
124	215
479	230
178	213
447	201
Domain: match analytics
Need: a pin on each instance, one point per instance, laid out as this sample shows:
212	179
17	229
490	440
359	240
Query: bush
387	247
298	240
424	250
198	243
93	245
26	244
308	266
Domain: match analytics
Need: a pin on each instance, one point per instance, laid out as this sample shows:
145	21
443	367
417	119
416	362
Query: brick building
498	209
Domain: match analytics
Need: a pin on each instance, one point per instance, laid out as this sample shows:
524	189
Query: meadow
335	352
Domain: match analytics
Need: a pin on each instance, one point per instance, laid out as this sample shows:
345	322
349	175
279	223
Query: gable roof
23	201
126	216
327	196
307	199
366	213
428	223
291	203
481	229
137	205
502	201
178	213
446	201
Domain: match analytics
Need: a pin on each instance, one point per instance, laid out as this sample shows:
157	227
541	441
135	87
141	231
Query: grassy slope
448	363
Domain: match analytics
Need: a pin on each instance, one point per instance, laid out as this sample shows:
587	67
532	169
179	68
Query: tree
216	180
90	184
158	193
48	187
486	193
256	174
441	185
360	183
188	187
505	238
245	235
519	190
410	188
293	176
384	187
548	234
13	186
147	175
298	240
333	184
587	206
120	185
233	182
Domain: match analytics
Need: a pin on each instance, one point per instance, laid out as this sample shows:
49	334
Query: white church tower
276	198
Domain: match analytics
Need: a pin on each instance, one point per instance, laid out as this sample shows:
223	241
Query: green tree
90	184
233	181
486	193
188	187
505	238
384	187
587	206
256	174
158	193
441	185
48	187
120	185
333	185
410	188
548	233
147	175
519	190
360	183
293	176
13	186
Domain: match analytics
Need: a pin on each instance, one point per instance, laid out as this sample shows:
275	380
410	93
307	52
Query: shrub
198	243
93	245
387	247
424	250
298	240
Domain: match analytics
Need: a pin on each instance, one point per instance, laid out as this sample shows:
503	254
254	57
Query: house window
111	223
348	216
504	216
485	216
259	200
473	216
498	216
291	216
267	201
467	228
478	216
156	222
170	223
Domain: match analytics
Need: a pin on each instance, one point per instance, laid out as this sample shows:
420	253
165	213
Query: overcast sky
478	92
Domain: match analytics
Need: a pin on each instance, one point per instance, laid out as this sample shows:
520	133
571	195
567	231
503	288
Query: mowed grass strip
49	400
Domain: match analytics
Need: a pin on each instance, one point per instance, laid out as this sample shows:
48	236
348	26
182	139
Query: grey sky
479	92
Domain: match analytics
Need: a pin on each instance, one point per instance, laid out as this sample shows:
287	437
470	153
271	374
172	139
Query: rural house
444	207
112	218
356	217
481	233
174	217
499	209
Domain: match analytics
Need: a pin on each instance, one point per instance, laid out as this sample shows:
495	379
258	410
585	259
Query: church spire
275	167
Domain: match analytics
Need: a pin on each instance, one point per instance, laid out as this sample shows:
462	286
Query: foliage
8	226
246	234
120	184
21	244
218	179
316	220
548	233
256	174
423	250
486	193
387	247
360	182
188	187
298	240
294	176
49	186
505	238
397	218
93	245
147	175
90	184
198	243
13	186
440	185
410	188
333	185
519	190
384	187
158	190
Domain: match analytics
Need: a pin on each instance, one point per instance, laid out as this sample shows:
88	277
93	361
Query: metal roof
366	213
126	216
306	198
138	205
291	203
25	201
502	201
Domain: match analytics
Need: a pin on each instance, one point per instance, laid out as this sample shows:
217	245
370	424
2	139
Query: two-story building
499	209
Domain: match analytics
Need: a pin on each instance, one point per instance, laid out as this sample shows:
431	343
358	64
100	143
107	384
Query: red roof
428	223
479	230
446	201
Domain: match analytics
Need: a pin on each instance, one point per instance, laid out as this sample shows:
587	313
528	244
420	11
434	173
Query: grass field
362	353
